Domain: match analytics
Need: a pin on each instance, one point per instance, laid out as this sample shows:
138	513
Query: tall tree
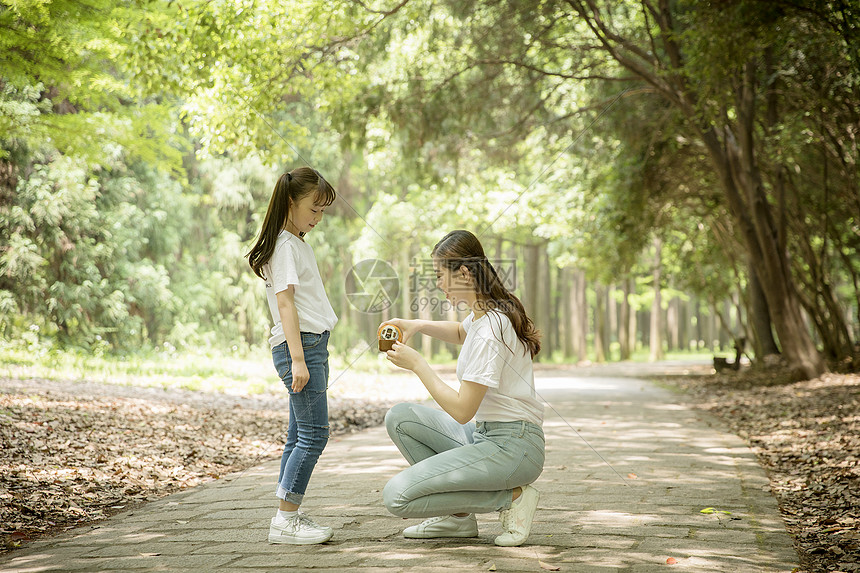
673	47
517	66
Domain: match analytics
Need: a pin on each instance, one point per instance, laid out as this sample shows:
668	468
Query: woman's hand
300	375
409	328
405	356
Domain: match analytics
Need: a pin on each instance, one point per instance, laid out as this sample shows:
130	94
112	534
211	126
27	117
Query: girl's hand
408	327
300	376
405	356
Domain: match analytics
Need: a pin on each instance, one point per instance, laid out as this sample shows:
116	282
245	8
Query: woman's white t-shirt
504	367
293	263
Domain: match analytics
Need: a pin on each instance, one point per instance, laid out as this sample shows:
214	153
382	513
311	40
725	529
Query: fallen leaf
710	510
492	567
631	475
548	567
671	561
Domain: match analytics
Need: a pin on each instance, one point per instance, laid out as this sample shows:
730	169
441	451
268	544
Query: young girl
459	467
303	318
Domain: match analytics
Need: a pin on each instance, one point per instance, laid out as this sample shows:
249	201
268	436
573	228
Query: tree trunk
579	316
656	330
764	344
425	313
612	317
624	321
633	325
643	327
683	325
734	160
565	288
544	310
600	323
673	330
558	312
532	269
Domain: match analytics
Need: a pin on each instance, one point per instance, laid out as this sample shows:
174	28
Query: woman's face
305	214
457	284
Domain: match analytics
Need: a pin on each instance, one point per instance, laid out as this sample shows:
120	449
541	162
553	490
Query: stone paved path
671	464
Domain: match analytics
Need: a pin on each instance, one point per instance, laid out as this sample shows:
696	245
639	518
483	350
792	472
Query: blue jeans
458	468
307	433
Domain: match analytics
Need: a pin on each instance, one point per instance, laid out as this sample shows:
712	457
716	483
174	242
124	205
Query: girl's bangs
325	195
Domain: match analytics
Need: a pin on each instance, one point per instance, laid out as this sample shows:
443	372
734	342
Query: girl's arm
446	331
290	324
459	404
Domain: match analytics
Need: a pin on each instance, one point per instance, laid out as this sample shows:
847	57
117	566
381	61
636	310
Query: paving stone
590	519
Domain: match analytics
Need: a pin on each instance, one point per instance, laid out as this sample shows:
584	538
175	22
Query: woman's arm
290	324
445	330
460	405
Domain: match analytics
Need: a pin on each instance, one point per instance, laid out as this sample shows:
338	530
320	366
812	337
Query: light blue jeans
308	429
458	468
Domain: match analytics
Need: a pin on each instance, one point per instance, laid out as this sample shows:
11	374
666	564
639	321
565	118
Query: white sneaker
298	530
444	526
517	521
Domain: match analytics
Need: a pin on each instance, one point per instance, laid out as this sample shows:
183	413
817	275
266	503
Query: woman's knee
396	415
392	498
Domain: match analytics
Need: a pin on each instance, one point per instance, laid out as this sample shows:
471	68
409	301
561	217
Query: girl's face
457	285
304	215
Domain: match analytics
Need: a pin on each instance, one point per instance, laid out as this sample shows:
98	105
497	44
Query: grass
639	355
643	355
213	371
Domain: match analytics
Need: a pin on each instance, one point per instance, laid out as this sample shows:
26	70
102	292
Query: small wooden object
387	335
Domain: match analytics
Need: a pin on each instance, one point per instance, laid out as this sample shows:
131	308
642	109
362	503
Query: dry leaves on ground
74	453
807	436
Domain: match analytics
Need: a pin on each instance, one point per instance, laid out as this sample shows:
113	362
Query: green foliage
139	144
61	89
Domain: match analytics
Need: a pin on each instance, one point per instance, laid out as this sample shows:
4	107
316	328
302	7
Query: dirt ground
74	453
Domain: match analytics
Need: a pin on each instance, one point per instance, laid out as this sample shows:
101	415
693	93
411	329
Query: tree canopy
139	143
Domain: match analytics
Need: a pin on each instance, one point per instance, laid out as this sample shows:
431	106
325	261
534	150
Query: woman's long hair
463	249
291	187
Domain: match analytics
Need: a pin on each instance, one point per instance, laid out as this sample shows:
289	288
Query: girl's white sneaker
298	530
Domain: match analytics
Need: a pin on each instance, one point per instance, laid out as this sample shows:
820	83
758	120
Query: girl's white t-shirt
293	263
504	367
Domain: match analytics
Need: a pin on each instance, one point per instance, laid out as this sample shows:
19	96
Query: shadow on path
668	464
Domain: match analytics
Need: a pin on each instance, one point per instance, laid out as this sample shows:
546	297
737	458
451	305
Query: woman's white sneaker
298	530
517	521
444	526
